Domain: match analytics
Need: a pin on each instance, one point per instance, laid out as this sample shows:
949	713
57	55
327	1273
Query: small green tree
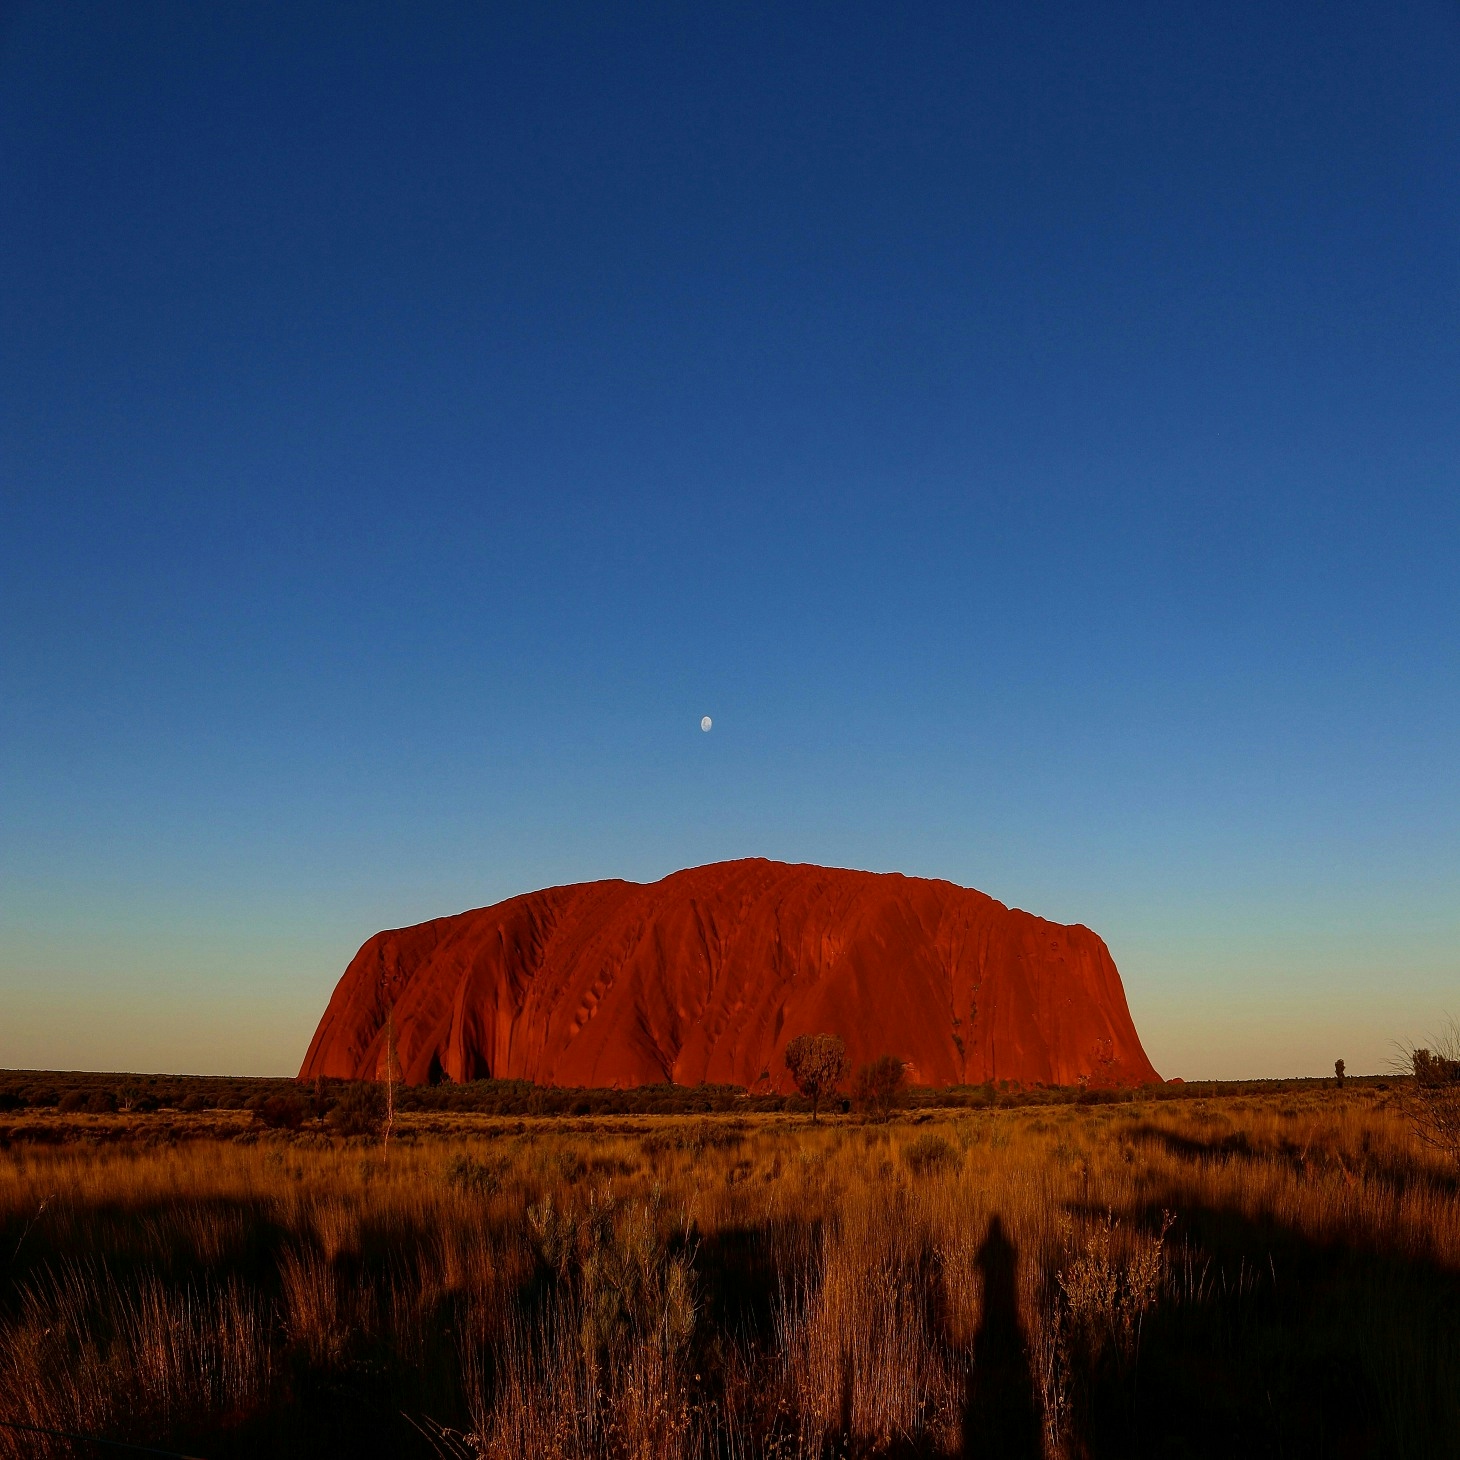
879	1084
818	1064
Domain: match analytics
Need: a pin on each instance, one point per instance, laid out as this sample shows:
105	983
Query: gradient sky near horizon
1032	432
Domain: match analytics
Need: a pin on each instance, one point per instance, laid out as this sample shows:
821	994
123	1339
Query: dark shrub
72	1101
279	1112
564	1166
878	1085
320	1100
476	1178
194	1102
360	1111
10	1100
927	1154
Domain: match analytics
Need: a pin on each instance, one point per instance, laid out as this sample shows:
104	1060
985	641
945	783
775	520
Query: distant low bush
360	1111
928	1154
474	1178
703	1135
563	1166
521	1097
279	1112
879	1085
43	1090
320	1098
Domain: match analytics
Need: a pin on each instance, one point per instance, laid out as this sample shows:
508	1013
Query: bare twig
26	1233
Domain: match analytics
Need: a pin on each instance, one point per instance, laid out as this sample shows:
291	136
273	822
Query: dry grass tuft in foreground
1256	1275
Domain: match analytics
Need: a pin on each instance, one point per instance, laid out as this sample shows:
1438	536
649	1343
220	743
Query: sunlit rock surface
707	975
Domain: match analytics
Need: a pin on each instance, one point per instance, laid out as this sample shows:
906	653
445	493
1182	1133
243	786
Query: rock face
707	975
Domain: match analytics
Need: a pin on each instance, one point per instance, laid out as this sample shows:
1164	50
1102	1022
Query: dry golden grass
1258	1275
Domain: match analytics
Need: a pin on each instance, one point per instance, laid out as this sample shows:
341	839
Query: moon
705	724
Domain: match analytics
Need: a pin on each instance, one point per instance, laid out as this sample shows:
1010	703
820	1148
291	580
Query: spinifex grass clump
865	1360
1257	1275
97	1353
598	1365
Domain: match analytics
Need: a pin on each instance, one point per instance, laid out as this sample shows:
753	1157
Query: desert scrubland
1242	1275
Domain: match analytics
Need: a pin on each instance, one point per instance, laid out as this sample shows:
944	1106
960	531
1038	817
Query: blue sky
1029	431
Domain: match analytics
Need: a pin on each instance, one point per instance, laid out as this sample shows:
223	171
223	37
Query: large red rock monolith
707	975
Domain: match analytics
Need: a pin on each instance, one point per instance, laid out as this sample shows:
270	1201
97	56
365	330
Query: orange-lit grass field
1249	1275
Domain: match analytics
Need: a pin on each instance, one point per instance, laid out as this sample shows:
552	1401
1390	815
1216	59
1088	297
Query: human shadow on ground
1001	1410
